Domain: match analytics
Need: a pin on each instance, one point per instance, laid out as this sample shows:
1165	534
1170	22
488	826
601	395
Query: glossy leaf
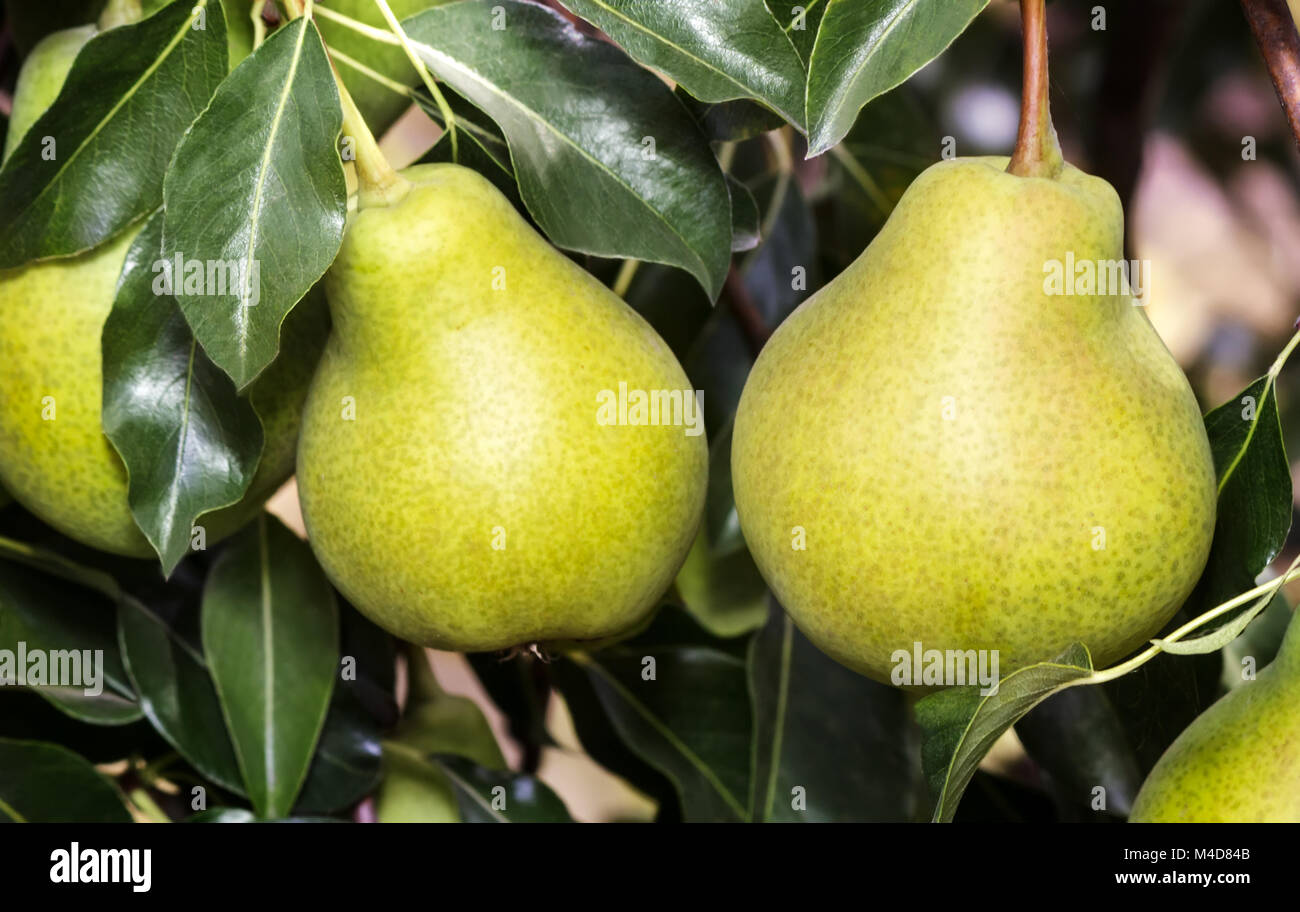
189	442
802	701
488	796
242	258
718	50
687	713
866	47
135	87
611	166
177	693
960	724
346	765
45	614
45	783
1254	507
731	121
800	20
270	637
745	230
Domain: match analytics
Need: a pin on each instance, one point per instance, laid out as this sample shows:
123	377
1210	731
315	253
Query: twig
746	313
1279	43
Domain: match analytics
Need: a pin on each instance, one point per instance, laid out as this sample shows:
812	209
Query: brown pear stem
1038	151
1279	43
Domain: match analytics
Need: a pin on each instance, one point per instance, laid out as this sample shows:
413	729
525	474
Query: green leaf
866	47
270	636
135	87
718	50
960	724
177	693
829	744
613	165
488	796
189	442
52	616
250	252
800	20
691	720
1077	736
745	230
1254	506
44	783
730	121
346	766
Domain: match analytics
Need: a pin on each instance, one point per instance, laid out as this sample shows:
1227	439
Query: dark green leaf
42	613
960	724
176	693
866	47
691	720
45	783
270	636
135	87
240	259
189	443
745	230
730	121
718	50
487	796
346	766
799	19
1254	507
830	745
613	165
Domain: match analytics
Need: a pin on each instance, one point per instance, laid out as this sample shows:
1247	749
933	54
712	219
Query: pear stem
378	183
448	117
119	12
1038	151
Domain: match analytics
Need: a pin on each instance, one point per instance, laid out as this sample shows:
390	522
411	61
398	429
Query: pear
1239	762
65	471
934	449
457	481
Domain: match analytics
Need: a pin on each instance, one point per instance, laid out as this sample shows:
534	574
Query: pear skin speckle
971	462
456	484
1239	762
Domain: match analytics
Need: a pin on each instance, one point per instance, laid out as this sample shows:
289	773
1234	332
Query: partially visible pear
934	449
65	471
456	483
379	105
1239	762
41	77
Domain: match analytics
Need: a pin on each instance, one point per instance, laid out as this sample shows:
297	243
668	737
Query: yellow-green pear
464	478
966	441
54	457
1239	762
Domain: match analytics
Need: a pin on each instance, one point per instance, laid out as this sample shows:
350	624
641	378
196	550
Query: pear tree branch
1279	44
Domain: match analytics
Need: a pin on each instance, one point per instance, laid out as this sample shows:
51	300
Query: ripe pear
1239	762
456	481
934	449
379	105
41	77
65	470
